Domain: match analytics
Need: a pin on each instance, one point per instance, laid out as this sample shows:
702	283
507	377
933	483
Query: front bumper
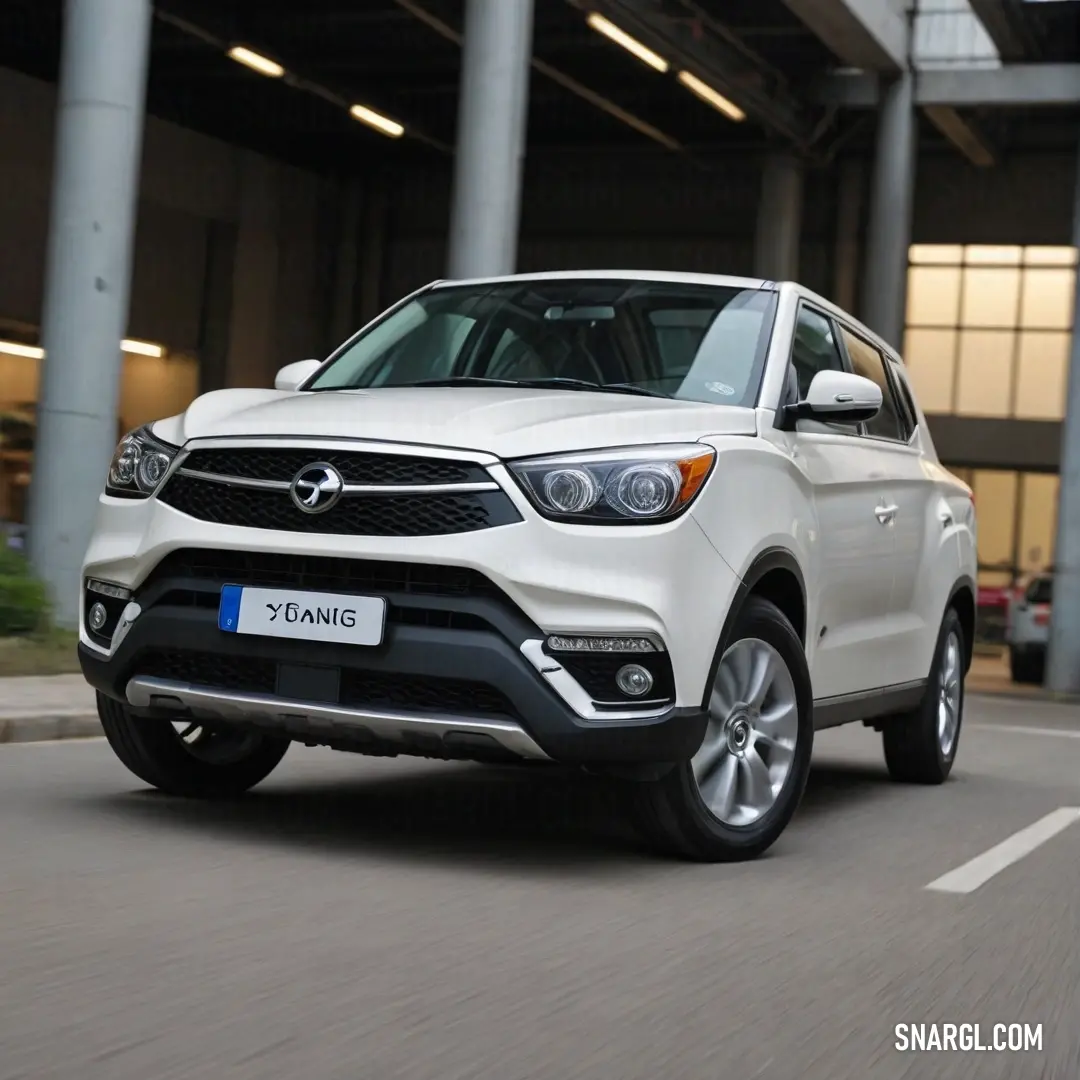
460	674
437	670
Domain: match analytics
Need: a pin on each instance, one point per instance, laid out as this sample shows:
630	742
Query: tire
156	752
692	819
920	746
1025	667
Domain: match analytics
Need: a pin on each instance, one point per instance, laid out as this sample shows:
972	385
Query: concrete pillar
846	251
779	219
95	194
492	112
1063	666
891	199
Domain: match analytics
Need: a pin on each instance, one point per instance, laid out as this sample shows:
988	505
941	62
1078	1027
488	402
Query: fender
772	558
965	582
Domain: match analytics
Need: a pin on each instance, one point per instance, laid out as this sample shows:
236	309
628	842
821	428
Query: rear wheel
920	746
192	759
735	797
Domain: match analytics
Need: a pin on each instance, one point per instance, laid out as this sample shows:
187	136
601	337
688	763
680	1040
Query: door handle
886	514
947	519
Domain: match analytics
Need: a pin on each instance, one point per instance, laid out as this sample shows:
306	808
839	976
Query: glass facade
988	334
989	328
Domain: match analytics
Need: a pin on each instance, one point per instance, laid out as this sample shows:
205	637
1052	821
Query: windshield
690	342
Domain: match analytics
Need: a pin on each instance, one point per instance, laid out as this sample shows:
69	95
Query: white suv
661	526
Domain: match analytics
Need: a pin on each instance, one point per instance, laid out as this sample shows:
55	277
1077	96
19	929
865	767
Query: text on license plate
306	616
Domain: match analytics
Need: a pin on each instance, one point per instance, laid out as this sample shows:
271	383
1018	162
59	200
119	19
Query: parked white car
658	525
1027	631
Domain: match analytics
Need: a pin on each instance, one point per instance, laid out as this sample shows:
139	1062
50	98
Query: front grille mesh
354	515
359	689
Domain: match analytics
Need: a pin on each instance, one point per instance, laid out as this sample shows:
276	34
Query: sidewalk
62	706
47	707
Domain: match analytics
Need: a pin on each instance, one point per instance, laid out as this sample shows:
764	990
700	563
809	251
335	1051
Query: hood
504	421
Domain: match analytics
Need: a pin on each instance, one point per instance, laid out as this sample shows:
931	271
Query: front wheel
191	760
920	746
735	797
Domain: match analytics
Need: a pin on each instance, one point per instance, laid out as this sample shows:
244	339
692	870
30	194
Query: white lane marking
978	871
1020	729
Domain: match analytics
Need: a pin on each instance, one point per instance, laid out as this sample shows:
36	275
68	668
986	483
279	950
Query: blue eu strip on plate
229	611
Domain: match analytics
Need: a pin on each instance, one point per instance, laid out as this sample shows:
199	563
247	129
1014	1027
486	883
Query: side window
814	348
907	402
870	364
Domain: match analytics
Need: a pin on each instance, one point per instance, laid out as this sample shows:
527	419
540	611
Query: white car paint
876	590
503	421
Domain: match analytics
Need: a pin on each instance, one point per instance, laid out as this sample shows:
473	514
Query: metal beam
869	34
698	44
445	30
1014	85
963	134
994	15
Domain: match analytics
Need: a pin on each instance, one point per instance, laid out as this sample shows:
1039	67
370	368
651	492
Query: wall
641	211
189	184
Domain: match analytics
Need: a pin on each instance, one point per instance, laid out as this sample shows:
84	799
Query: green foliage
24	605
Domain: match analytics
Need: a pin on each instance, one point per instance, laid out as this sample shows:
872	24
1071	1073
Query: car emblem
315	488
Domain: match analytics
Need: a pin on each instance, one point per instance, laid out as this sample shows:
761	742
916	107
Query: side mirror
838	397
292	375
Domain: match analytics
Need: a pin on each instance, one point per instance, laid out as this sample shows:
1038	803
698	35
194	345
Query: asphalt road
369	919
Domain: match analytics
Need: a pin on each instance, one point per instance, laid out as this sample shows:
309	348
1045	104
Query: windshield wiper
460	380
554	382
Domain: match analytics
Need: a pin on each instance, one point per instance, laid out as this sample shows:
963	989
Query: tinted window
1041	591
814	348
907	405
686	341
869	363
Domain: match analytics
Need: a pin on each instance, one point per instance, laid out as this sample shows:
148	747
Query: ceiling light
711	97
14	348
631	45
141	348
261	64
375	120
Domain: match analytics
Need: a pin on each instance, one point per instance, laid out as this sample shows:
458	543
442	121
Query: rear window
1040	591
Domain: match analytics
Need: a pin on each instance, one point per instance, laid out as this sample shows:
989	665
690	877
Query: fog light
98	617
634	680
567	643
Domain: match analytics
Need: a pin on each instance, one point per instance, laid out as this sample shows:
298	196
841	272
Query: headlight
634	486
139	465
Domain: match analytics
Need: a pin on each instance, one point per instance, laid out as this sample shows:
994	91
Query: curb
24	729
1047	697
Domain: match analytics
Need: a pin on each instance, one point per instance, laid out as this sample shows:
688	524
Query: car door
852	574
909	494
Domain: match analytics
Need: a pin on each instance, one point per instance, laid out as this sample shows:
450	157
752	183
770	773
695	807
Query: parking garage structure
198	192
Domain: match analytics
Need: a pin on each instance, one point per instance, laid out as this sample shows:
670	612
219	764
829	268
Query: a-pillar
491	138
95	192
779	219
891	202
1063	666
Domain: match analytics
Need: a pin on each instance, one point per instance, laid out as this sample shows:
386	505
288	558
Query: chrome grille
382	494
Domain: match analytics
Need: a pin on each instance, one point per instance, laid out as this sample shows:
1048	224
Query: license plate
306	616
